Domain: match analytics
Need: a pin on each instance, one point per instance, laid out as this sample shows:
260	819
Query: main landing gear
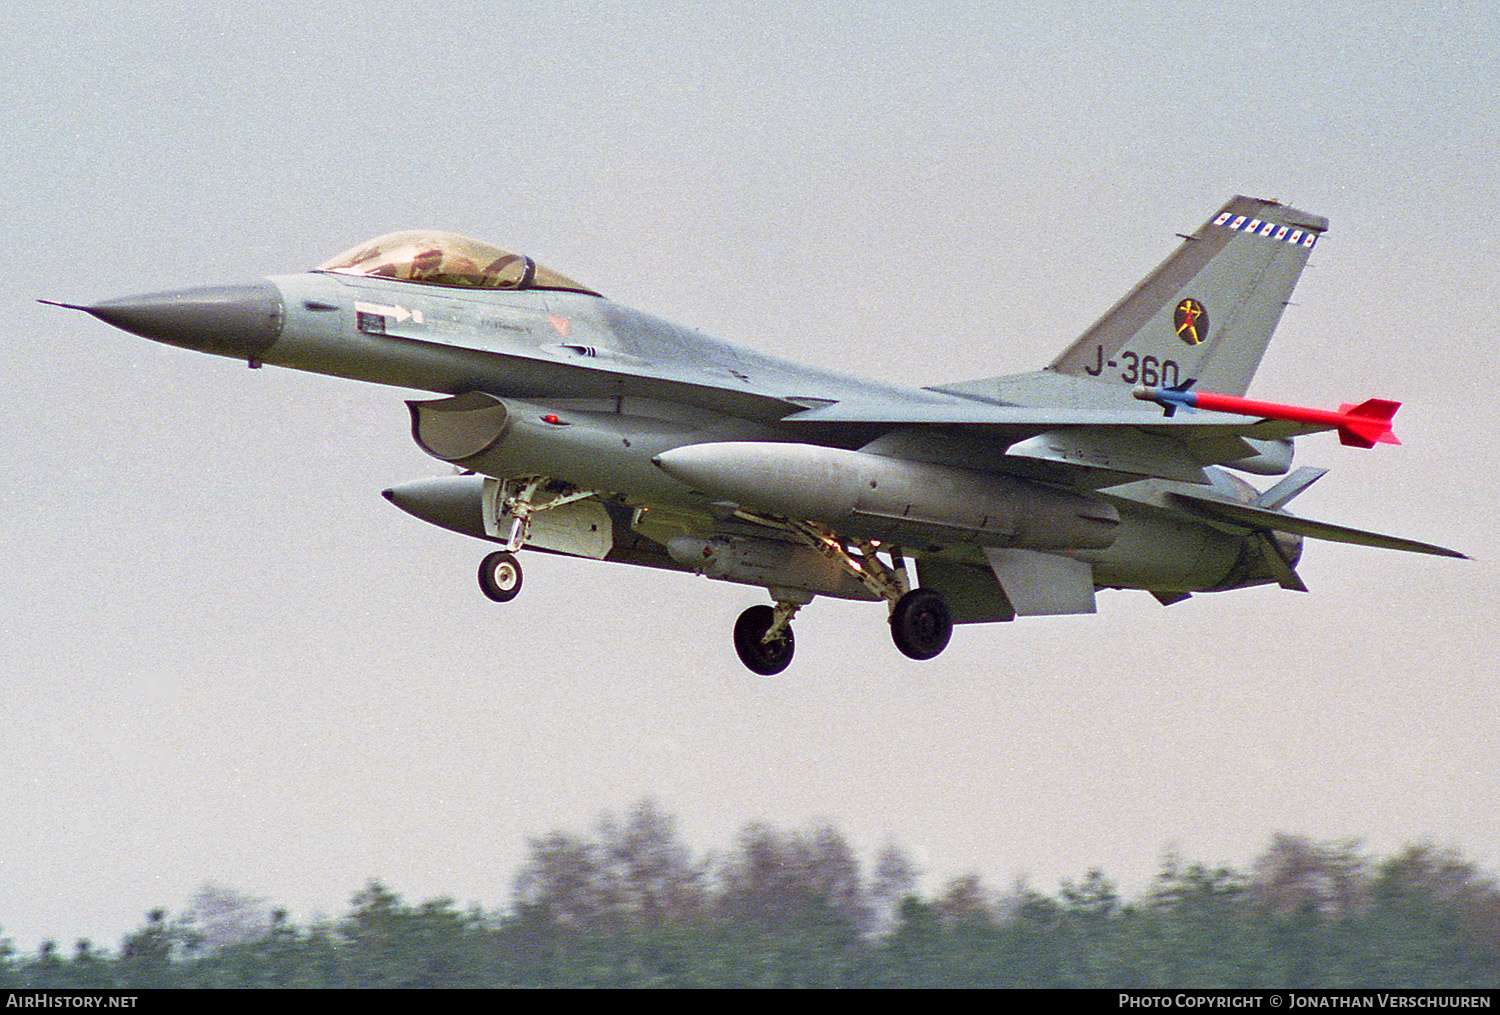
761	647
920	627
920	622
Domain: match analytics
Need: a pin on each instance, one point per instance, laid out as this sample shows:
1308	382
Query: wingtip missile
1359	426
1368	423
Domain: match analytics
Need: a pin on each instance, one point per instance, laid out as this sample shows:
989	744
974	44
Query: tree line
630	905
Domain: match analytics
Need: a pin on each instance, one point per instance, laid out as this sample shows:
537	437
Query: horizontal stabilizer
1276	521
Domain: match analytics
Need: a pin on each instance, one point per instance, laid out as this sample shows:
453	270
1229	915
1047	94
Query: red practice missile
1360	426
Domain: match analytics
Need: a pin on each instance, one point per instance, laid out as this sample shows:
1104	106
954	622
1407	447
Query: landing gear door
575	524
489	507
1043	584
579	529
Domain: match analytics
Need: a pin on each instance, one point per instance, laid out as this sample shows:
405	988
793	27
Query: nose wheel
500	576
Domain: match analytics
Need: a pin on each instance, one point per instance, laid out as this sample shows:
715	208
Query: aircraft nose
229	320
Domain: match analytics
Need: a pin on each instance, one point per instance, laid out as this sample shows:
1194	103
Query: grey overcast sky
223	657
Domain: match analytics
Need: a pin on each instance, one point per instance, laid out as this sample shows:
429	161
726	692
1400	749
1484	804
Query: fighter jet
580	426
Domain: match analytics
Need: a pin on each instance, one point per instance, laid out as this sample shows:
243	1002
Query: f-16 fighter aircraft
583	427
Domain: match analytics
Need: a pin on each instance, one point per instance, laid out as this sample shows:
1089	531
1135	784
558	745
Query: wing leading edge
1118	441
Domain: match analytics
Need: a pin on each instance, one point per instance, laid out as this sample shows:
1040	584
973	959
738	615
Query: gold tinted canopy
431	257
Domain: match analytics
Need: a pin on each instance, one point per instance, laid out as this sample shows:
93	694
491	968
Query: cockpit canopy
431	257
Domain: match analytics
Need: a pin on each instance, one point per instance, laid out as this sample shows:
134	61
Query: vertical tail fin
1207	312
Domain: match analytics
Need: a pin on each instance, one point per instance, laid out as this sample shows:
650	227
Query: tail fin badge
1191	322
1264	227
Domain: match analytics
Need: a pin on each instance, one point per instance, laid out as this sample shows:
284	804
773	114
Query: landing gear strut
500	576
920	622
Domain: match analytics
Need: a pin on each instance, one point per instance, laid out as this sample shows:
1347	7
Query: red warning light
550	418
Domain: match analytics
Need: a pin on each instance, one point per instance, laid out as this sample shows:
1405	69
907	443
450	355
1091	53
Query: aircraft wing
1025	420
1108	441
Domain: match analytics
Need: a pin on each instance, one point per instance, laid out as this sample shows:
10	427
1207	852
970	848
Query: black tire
921	624
765	658
500	576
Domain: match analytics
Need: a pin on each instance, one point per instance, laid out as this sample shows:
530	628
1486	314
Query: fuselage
627	387
595	394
